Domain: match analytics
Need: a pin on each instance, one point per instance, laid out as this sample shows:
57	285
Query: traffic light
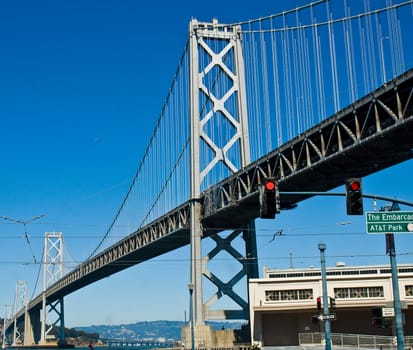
269	198
319	303
354	196
332	304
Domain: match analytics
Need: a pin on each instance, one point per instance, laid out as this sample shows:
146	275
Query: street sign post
389	222
327	317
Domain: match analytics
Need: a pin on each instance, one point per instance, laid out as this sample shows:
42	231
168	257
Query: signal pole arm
372	196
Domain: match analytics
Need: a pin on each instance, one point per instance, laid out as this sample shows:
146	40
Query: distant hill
170	330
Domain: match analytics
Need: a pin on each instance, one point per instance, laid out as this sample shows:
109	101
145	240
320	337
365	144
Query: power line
25	223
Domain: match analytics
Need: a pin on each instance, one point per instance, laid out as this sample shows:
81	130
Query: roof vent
340	264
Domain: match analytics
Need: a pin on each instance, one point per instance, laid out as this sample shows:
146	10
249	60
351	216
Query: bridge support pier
31	327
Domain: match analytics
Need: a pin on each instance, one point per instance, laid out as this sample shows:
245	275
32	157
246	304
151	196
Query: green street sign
389	222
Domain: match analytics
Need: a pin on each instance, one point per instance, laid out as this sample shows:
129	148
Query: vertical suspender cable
296	57
256	96
373	80
307	70
246	47
287	81
380	48
333	63
318	69
363	53
265	92
276	83
349	56
392	38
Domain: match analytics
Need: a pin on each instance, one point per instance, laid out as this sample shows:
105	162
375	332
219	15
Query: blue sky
81	86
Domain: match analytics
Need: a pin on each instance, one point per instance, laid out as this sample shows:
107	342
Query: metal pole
391	251
191	315
322	248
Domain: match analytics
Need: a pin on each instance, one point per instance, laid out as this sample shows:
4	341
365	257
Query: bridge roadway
372	134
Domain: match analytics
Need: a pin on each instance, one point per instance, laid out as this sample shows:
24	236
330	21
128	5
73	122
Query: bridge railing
354	340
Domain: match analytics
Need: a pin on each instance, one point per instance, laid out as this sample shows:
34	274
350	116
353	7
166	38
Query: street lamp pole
191	314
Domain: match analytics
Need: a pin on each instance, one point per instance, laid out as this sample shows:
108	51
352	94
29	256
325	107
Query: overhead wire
221	258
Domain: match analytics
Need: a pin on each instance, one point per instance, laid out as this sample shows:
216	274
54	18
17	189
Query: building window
409	291
376	292
333	273
358	292
368	272
310	274
405	270
290	294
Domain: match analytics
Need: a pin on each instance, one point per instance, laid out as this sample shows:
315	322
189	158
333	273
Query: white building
283	303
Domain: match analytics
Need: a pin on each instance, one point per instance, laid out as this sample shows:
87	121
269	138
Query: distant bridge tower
52	272
8	317
20	302
219	148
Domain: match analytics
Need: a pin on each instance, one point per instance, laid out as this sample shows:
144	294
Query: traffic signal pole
391	251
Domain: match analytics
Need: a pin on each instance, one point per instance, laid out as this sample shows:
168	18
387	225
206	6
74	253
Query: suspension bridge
309	96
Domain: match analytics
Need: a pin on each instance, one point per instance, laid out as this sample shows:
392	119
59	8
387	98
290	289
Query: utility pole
322	247
391	251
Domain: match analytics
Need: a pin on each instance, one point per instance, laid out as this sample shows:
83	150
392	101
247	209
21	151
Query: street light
322	247
191	287
24	223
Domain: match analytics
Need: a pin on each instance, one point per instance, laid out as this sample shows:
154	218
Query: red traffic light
319	303
354	196
269	198
355	185
269	185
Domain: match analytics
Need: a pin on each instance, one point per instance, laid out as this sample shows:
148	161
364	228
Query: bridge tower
20	302
52	272
8	318
219	148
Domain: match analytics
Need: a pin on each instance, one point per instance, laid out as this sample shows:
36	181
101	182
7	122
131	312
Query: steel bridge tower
52	272
216	57
20	302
